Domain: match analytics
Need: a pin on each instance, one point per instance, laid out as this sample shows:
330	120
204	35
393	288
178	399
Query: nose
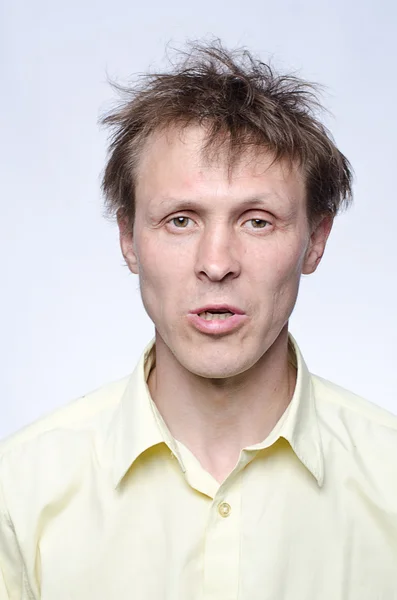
218	255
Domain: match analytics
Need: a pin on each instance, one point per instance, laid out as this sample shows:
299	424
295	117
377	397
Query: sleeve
11	568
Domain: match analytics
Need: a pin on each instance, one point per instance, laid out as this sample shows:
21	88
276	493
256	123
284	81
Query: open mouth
213	315
217	320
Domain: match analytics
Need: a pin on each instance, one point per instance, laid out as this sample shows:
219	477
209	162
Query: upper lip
216	307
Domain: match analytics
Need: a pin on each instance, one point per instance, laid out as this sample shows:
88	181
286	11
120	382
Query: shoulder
354	427
80	417
336	398
44	464
359	443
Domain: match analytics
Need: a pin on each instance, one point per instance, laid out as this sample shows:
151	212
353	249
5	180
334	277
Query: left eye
258	223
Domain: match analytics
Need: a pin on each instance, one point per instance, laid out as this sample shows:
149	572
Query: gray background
72	318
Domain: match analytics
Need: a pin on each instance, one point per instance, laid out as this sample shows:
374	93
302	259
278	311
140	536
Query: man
220	469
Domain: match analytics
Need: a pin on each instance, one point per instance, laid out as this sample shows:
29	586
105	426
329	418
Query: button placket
224	509
222	544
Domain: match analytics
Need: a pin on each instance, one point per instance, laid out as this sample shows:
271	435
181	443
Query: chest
245	543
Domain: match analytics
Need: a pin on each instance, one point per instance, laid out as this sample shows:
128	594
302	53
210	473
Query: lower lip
216	326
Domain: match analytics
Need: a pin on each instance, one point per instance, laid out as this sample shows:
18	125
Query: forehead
175	163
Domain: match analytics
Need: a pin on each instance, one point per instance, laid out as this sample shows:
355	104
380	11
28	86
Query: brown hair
241	101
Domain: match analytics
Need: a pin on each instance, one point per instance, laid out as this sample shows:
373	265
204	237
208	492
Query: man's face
205	237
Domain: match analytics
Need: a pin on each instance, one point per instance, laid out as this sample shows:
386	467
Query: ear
316	247
127	244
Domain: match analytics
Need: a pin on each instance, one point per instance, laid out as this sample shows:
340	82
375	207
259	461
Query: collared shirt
99	502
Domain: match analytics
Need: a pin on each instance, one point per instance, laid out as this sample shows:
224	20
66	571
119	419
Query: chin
220	367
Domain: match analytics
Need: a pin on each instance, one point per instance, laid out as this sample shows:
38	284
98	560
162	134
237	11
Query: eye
180	222
258	223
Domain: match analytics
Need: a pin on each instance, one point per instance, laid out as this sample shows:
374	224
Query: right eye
180	222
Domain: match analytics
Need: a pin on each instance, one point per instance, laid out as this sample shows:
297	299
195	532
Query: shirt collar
299	423
137	424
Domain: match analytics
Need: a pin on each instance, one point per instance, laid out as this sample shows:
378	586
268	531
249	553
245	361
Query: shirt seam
5	515
355	410
9	446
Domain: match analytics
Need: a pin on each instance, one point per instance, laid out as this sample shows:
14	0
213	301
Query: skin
202	236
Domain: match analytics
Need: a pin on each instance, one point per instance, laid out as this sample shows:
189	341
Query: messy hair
243	103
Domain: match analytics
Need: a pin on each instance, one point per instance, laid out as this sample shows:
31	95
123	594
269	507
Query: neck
216	418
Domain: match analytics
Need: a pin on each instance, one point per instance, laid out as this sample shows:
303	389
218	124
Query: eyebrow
196	205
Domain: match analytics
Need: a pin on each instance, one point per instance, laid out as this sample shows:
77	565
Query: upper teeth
208	316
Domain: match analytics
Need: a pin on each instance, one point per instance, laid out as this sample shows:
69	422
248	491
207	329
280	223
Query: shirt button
224	509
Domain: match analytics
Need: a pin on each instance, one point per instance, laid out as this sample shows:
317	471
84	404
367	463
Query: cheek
159	256
162	275
281	265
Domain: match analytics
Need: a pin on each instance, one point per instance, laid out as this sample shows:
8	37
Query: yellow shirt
99	502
